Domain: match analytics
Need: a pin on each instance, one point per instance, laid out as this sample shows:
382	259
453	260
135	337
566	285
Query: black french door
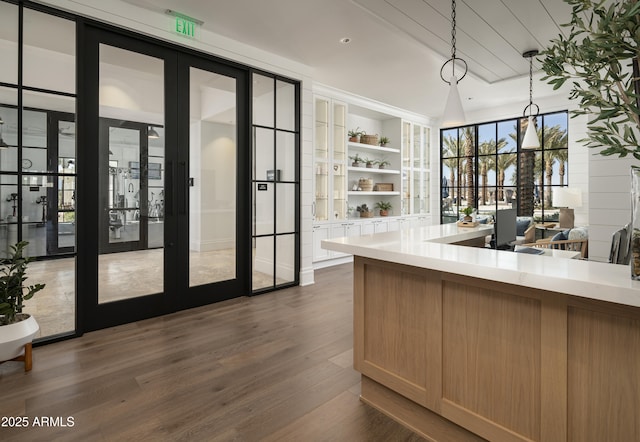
166	222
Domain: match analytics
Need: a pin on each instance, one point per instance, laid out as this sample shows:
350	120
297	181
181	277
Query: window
482	166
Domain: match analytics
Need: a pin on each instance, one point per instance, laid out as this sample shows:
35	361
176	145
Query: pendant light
153	133
531	140
453	112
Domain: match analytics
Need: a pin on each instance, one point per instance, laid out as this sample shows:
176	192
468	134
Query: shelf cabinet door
415	168
320	232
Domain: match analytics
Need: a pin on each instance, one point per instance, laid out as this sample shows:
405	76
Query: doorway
172	227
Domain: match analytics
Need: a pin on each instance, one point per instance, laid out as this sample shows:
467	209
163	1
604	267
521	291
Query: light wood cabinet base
424	422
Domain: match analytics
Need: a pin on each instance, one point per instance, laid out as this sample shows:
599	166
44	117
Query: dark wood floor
273	367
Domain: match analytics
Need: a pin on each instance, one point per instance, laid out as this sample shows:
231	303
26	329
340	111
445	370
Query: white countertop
429	247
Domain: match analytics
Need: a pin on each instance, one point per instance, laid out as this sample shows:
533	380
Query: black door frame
177	295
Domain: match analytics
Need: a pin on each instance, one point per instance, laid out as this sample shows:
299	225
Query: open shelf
373	170
373	147
362	193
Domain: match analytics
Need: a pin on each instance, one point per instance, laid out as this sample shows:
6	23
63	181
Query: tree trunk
525	186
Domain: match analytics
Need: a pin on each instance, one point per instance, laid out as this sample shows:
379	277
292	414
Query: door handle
168	199
184	184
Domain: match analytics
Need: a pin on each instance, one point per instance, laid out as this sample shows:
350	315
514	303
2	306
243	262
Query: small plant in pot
467	214
382	164
384	141
384	207
17	329
369	162
356	160
354	135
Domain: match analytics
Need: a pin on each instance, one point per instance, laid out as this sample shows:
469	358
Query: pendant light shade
153	133
453	113
531	140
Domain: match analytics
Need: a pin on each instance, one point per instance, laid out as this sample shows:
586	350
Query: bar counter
463	343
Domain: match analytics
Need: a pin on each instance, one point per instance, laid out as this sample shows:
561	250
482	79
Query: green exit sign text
185	27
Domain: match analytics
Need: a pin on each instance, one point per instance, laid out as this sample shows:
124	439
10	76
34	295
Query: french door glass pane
9	46
131	263
213	165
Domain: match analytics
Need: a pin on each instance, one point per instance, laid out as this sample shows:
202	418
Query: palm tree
562	156
505	161
450	159
554	139
486	162
469	152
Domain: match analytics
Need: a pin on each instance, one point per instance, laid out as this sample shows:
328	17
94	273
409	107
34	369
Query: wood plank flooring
275	367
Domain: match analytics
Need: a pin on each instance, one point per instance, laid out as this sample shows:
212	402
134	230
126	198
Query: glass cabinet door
339	161
321	160
406	168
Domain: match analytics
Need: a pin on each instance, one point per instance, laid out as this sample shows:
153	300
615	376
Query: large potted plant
17	329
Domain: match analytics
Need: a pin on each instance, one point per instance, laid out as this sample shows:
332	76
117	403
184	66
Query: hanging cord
453	58
530	55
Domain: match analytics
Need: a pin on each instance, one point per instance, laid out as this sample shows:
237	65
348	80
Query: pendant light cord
530	85
453	35
453	58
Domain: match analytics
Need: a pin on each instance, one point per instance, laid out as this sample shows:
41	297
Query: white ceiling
397	46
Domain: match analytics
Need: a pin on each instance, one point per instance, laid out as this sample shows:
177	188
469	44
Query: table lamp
566	199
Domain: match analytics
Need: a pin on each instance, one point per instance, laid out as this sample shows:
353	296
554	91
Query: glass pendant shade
530	140
453	112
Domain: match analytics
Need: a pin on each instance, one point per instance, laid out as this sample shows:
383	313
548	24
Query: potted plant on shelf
384	141
369	162
467	214
354	135
382	163
384	207
356	160
17	329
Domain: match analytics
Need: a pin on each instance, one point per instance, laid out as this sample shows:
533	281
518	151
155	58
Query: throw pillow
522	224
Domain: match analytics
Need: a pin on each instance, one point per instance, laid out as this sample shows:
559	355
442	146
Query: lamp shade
453	112
530	140
566	197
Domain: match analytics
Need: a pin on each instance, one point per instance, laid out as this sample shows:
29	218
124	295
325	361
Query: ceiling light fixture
453	112
531	140
152	133
345	40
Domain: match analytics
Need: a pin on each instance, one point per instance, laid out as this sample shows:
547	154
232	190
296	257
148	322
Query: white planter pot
13	337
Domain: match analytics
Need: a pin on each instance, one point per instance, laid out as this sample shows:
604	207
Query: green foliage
597	58
467	210
384	140
356	132
356	158
383	205
13	292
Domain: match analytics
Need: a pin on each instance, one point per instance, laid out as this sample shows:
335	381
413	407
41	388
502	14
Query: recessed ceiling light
345	40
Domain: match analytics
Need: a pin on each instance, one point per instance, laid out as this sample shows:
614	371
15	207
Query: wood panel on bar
504	362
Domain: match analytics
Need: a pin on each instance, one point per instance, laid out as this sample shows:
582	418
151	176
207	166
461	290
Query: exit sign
185	27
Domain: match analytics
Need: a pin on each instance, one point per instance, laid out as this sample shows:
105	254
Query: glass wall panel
286	156
285	105
285	205
263	155
285	255
8	43
49	52
263	262
263	100
276	177
264	208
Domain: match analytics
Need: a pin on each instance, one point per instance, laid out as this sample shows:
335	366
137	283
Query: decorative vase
634	246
